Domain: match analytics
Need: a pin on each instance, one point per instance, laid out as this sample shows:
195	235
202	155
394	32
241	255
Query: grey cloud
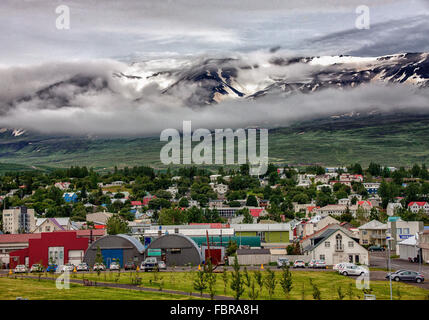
121	109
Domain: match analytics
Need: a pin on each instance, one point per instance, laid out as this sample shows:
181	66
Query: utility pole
390	269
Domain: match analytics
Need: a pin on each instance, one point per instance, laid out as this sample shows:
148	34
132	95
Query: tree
184	202
117	225
286	281
237	283
200	281
225	280
258	278
316	291
173	216
270	282
211	279
340	293
251	201
231	248
98	259
247	217
253	293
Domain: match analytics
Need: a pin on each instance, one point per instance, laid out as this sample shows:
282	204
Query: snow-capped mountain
203	81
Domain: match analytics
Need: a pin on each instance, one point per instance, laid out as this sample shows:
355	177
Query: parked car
52	268
115	266
353	270
341	265
282	262
60	268
299	264
312	263
82	267
162	265
69	267
376	248
36	268
320	264
149	264
20	268
130	266
406	275
99	267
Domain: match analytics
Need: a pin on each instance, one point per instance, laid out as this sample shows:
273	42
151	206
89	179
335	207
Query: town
330	223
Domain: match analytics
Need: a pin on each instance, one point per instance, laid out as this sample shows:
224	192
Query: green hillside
396	140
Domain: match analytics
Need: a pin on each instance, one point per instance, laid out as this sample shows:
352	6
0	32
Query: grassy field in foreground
327	282
34	289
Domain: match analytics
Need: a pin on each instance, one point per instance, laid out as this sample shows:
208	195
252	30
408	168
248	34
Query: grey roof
139	246
373	225
253	251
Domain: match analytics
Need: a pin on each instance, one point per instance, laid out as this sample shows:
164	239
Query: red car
130	266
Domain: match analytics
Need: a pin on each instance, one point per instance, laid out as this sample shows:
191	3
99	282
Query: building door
75	257
27	261
111	255
56	255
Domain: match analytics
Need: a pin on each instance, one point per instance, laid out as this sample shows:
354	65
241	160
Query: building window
350	258
351	244
327	244
364	232
365	241
406	231
322	257
399	230
339	242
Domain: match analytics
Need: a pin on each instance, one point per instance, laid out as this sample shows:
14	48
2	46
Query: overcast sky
129	30
106	35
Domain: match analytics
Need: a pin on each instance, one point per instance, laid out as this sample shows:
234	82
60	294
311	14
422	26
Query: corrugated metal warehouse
176	249
121	248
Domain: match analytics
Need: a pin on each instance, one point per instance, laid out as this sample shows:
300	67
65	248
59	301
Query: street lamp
388	238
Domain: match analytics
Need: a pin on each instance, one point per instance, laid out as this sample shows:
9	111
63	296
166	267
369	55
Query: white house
392	208
416	206
334	246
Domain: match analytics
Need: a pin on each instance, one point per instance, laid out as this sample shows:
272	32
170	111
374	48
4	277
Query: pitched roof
419	203
255	212
325	235
253	251
373	225
360	203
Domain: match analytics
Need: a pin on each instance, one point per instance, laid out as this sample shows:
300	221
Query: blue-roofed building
70	197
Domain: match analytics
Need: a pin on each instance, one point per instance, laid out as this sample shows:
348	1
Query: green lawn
328	283
34	289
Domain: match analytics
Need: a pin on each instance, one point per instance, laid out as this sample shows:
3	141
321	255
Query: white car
20	268
312	263
69	267
320	264
299	264
114	266
99	267
353	271
341	265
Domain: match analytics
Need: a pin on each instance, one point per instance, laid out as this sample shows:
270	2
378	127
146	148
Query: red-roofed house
147	199
416	206
136	203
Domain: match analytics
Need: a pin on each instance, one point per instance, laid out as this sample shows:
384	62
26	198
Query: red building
58	247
